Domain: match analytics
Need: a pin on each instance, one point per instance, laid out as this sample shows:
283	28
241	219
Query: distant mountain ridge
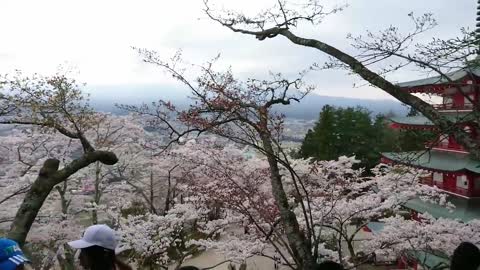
104	98
310	106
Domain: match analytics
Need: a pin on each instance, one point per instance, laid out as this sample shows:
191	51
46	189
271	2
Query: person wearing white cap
97	249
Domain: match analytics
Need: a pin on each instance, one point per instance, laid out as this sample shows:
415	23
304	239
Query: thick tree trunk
98	192
94	217
167	199
152	194
67	263
296	239
351	250
48	177
33	201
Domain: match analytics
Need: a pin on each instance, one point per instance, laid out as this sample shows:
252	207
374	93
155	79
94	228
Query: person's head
465	257
11	256
329	265
97	248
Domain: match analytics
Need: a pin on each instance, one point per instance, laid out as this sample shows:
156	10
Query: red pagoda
451	167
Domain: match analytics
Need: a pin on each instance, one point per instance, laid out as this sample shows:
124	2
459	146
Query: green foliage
340	131
410	140
353	131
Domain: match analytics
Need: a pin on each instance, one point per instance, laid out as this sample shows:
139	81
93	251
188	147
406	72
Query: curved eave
375	227
465	210
438	89
429	88
435	161
390	160
438	84
410	126
421	122
430	260
413	122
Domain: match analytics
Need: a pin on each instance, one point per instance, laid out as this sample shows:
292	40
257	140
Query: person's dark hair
188	268
465	257
101	258
329	265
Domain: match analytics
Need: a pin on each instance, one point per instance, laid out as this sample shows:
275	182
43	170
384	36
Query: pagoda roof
439	80
412	120
436	160
465	209
375	226
431	261
422	121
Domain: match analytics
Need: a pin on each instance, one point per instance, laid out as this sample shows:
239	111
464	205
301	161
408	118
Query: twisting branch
454	51
19	191
48	177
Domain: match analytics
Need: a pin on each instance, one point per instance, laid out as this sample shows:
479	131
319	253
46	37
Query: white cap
96	235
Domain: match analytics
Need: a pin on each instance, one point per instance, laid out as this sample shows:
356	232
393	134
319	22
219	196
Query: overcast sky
94	38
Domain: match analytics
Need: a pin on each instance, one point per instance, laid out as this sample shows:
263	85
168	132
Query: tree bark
98	193
167	199
152	194
33	201
296	239
67	262
48	177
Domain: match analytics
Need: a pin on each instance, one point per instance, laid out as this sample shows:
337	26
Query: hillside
104	97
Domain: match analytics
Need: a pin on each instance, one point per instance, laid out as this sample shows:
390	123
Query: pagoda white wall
462	181
438	177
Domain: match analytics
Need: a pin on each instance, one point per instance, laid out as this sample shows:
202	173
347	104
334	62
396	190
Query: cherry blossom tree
153	240
119	134
152	177
25	150
241	112
402	237
224	197
374	55
62	216
304	205
51	104
236	190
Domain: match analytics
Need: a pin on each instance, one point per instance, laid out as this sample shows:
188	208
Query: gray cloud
97	38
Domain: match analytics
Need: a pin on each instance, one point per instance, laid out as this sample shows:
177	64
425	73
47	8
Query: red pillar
470	178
